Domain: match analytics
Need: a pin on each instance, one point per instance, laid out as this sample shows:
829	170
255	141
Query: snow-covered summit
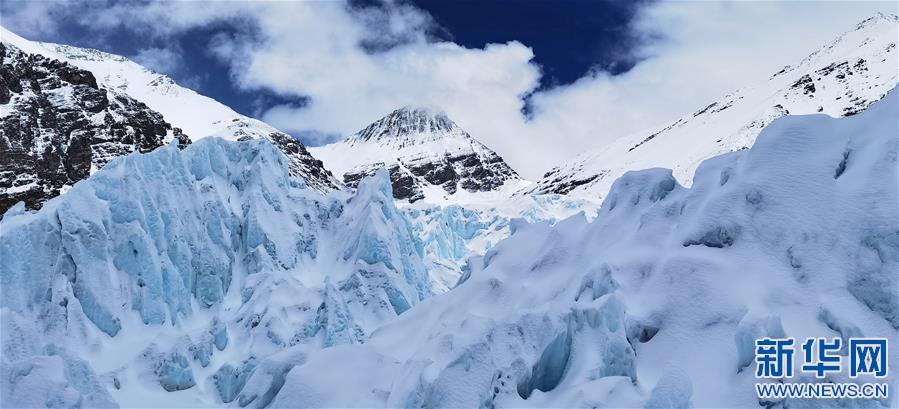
196	115
410	126
841	79
427	154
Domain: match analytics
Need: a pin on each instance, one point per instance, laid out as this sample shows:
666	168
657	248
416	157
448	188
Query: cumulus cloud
356	64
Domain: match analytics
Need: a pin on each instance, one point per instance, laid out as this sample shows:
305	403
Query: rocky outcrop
57	126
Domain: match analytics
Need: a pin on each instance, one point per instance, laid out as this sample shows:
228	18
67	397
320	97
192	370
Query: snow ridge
841	79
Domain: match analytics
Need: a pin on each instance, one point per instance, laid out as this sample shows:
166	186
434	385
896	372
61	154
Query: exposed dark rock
806	84
475	168
61	126
302	164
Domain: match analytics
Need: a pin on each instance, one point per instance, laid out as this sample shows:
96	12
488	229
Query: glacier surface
652	303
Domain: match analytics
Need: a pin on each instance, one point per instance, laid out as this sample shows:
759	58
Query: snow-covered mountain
57	126
169	278
196	115
841	79
458	194
657	303
426	153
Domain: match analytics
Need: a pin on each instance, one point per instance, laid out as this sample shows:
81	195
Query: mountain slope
167	278
426	153
658	301
57	126
195	114
841	79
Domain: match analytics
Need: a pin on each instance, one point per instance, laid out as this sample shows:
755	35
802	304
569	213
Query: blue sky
568	42
569	38
538	81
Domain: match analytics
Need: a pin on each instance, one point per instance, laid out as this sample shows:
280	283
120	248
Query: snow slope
167	278
196	115
656	303
427	154
841	79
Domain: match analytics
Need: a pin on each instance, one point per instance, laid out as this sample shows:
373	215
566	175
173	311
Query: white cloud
323	50
162	60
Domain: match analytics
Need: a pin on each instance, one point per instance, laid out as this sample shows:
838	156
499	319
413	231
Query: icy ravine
196	115
427	154
841	79
194	277
657	301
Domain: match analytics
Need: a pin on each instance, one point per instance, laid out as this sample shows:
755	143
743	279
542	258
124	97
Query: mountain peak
877	19
408	126
420	111
422	149
881	16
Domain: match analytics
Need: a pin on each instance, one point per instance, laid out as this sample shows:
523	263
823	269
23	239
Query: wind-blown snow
170	278
652	303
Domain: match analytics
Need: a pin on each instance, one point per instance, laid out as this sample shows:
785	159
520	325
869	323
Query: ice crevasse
182	273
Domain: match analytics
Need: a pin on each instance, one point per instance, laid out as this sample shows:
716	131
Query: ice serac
196	115
57	126
651	304
451	233
841	79
426	153
211	266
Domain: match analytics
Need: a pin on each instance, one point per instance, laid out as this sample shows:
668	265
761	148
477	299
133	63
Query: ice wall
161	269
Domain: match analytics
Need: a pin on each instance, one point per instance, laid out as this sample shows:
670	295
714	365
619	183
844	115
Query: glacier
652	303
211	276
187	271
